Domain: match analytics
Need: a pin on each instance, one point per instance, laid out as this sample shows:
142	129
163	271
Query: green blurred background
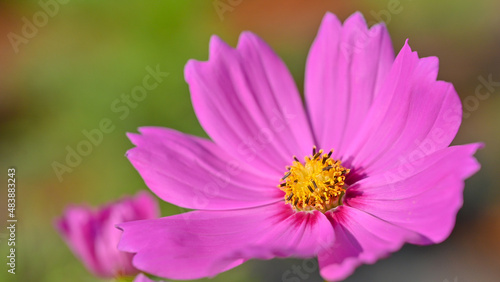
64	79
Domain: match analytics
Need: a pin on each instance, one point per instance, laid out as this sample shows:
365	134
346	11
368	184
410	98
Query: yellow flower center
315	184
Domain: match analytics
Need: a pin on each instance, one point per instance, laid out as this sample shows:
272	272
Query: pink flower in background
364	168
92	236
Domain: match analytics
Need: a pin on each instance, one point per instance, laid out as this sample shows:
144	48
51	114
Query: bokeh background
64	79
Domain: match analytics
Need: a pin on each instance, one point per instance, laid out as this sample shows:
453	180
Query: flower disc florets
316	184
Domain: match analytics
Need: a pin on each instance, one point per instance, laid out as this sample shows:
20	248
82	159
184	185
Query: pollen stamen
318	183
286	175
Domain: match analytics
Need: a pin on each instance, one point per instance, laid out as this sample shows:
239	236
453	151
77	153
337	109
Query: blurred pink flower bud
92	236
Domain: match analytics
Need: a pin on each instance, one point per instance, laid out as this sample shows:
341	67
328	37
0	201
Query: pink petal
414	113
76	229
93	238
195	173
345	69
204	243
359	238
248	103
114	261
143	278
142	206
421	195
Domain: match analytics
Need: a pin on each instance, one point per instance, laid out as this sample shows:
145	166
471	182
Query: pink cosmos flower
92	236
364	168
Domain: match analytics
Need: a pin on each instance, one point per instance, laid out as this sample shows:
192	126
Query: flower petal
144	206
345	69
215	241
413	112
195	173
359	238
421	195
92	236
143	278
76	229
248	103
